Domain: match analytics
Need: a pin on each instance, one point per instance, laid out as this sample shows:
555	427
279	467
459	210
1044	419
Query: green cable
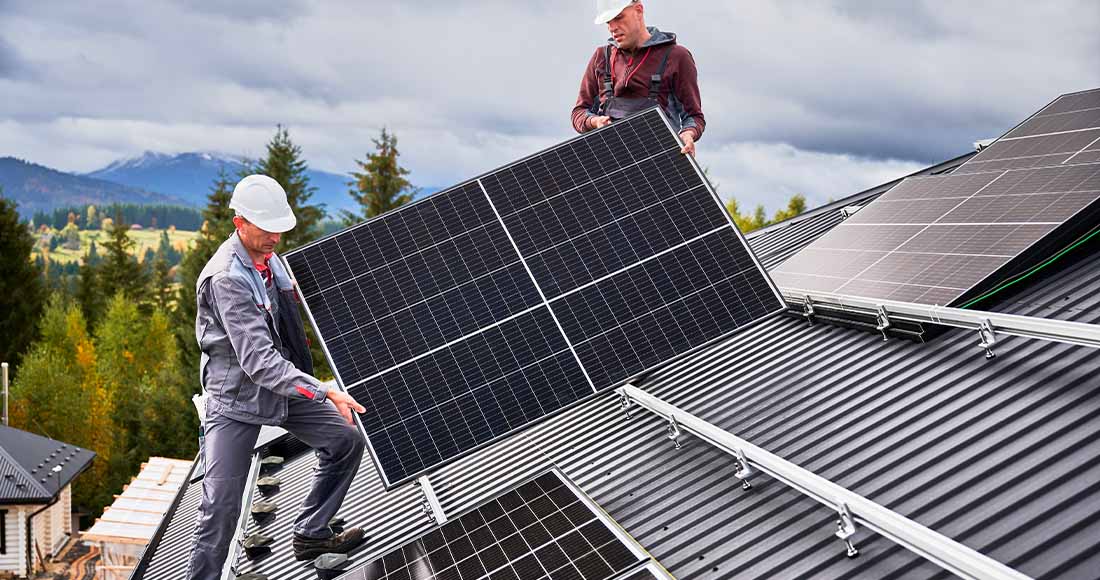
1033	270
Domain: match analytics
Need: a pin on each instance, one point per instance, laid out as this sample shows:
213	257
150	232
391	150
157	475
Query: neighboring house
127	525
36	474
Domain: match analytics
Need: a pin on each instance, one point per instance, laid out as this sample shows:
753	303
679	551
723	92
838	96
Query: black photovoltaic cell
470	393
933	239
445	317
541	530
631	322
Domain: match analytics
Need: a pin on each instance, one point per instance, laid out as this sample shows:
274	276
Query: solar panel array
934	240
464	317
542	529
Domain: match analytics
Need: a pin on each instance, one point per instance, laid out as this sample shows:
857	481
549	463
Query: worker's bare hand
597	122
345	403
688	137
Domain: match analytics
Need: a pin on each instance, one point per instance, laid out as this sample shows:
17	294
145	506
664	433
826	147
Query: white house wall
13	558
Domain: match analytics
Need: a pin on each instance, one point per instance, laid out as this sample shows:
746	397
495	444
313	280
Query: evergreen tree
22	287
216	228
381	185
120	270
57	393
284	164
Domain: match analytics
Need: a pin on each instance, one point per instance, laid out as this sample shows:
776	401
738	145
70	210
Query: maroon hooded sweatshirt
631	71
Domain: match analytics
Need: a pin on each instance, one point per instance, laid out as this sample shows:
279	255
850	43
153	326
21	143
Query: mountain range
151	178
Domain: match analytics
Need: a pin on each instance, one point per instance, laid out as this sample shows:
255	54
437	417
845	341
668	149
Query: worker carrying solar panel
256	370
638	68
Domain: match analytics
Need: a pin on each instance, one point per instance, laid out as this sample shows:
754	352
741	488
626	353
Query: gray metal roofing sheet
1002	455
28	459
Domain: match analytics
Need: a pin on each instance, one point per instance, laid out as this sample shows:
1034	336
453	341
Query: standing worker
638	68
256	369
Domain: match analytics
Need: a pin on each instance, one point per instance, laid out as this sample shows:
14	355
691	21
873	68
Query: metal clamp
673	431
625	403
988	338
429	503
808	310
743	470
846	528
882	320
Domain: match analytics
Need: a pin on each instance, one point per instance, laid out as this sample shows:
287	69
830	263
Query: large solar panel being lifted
544	528
462	318
944	239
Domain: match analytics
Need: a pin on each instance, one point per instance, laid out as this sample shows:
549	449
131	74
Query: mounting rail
987	324
229	569
853	510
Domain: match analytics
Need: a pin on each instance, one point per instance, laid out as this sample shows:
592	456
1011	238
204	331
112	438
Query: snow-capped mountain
190	175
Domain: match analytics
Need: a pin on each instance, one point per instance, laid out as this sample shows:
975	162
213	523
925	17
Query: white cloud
788	85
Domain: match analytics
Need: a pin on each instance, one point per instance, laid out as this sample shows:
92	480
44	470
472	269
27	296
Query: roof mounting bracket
625	403
846	528
429	503
808	310
673	431
988	337
743	470
882	319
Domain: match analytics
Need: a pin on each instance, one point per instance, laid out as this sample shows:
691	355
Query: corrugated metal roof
1002	455
27	461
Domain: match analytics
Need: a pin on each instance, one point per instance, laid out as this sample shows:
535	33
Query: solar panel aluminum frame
605	391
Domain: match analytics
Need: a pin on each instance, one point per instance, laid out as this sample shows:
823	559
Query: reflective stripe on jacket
252	362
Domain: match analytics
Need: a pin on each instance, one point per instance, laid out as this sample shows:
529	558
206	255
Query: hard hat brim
277	225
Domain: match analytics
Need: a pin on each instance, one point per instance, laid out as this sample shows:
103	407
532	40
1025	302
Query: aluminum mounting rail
853	510
988	324
229	568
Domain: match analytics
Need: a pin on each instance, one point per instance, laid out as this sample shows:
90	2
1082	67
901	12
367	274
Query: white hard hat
606	10
262	201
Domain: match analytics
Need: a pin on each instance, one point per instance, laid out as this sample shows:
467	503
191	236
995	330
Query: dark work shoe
342	543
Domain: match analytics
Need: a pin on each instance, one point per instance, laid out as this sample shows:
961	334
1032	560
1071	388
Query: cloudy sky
820	97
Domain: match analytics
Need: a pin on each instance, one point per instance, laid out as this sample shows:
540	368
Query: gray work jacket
252	362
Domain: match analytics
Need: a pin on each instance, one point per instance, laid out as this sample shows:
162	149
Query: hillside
39	188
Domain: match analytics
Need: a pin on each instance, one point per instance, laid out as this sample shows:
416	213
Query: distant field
181	240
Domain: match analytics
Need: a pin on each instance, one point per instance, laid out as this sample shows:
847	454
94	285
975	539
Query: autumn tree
381	183
58	394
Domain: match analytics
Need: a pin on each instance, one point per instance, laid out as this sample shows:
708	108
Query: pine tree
284	164
22	286
120	270
381	185
89	295
216	228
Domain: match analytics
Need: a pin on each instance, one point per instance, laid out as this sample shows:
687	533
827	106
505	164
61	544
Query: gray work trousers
228	455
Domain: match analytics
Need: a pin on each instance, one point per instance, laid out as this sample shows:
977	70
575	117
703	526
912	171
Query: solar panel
942	239
545	528
461	318
1065	131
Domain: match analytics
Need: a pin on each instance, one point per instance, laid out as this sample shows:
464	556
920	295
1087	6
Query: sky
823	98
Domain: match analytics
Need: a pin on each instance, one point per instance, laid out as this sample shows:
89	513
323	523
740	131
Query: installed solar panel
937	240
463	317
1065	131
543	529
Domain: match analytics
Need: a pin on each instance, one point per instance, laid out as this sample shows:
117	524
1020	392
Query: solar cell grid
542	529
442	315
